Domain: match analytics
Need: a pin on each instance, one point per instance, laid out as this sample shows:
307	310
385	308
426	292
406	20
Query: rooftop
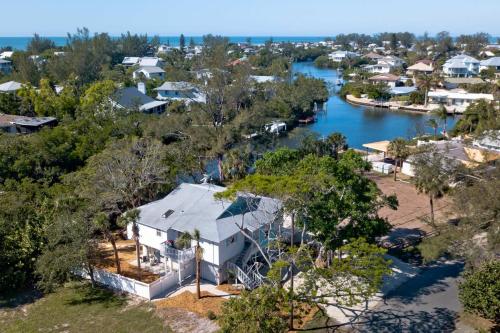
193	206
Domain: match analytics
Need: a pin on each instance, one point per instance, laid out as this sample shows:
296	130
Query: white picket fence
122	283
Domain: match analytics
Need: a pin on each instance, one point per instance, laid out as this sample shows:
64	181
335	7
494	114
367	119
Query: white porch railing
180	256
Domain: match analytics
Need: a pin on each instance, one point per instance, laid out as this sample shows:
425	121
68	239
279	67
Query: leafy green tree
38	45
103	224
480	291
71	247
254	312
182	42
477	118
398	148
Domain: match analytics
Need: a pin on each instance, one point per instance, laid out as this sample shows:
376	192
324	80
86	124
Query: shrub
480	291
211	315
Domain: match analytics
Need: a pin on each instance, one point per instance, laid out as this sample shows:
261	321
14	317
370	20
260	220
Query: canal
359	124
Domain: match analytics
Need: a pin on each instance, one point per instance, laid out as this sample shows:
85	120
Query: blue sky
244	18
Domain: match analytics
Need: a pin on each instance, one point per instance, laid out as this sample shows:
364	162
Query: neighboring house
180	91
133	99
10	87
384	65
402	91
143	62
458	101
149	72
130	61
264	78
6	54
489	140
461	66
456	152
339	56
24	125
164	49
5	66
151	62
390	79
493	63
420	67
455	82
373	56
193	206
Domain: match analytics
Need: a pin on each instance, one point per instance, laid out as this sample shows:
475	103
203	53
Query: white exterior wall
227	252
148	237
407	169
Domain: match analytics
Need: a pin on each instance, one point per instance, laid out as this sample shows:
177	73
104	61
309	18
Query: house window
158	233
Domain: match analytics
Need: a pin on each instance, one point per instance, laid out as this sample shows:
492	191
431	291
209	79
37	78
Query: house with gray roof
133	99
180	91
5	66
461	65
225	227
493	63
149	72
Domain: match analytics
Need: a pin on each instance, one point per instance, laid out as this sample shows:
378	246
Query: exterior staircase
249	278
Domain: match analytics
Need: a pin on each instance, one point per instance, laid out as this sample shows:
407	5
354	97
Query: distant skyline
249	18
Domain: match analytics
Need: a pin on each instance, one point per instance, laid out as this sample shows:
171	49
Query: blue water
20	43
362	124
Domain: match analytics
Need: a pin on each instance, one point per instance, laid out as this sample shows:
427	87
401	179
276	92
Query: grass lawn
79	308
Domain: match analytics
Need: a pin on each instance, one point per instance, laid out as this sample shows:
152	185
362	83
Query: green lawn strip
80	308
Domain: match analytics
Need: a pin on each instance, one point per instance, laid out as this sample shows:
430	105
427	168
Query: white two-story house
180	91
461	66
339	56
193	206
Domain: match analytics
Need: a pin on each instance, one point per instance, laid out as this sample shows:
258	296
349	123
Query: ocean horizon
21	43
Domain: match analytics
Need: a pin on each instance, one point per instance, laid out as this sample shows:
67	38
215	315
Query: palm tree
184	241
432	174
132	216
442	115
432	123
399	150
336	142
425	82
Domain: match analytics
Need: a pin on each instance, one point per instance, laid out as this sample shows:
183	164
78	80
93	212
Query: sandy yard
412	205
126	252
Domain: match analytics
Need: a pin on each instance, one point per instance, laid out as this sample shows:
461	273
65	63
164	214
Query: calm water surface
361	124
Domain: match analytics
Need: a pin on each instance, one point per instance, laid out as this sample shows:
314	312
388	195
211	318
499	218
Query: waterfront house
180	91
5	66
491	63
264	78
390	79
132	98
164	49
455	82
24	125
149	72
339	56
461	66
456	101
10	87
193	206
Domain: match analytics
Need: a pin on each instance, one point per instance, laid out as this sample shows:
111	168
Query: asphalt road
426	303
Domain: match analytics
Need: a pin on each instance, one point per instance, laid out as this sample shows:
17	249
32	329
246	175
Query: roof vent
168	213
